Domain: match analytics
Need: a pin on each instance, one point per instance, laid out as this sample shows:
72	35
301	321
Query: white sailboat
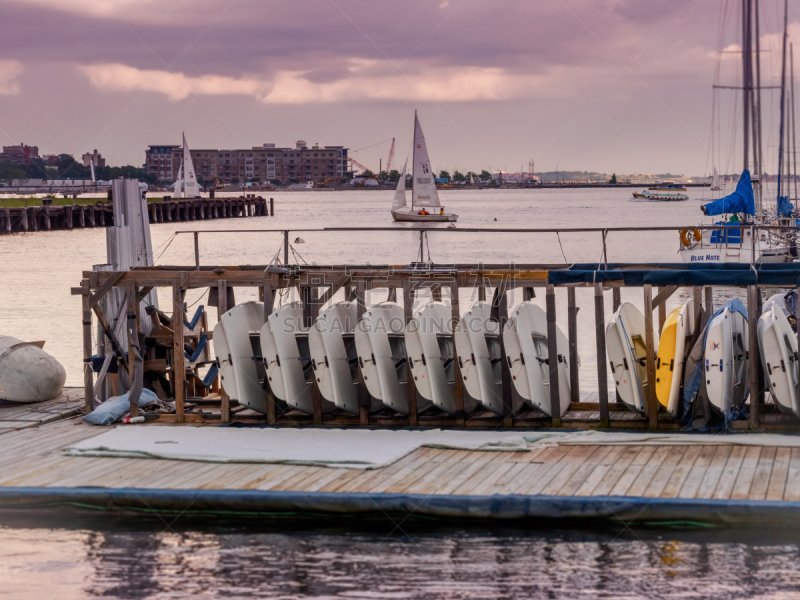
186	185
715	181
425	205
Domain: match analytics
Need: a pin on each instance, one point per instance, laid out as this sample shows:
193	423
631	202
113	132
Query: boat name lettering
706	258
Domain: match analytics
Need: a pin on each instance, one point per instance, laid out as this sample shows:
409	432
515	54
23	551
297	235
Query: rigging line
566	262
174	235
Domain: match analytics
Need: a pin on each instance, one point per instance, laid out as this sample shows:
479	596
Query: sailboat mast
757	125
746	78
414	159
794	126
783	94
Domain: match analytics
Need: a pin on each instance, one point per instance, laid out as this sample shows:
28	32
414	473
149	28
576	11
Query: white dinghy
431	356
334	358
284	346
625	344
725	361
477	339
778	346
241	373
527	352
381	345
678	326
28	373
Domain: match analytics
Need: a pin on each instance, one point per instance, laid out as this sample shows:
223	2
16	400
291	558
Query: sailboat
715	181
186	185
425	205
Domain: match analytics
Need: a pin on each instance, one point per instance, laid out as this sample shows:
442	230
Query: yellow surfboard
665	360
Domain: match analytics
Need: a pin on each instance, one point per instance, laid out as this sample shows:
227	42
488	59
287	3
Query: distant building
19	155
260	163
99	161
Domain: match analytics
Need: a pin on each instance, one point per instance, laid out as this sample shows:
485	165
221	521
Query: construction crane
355	163
391	157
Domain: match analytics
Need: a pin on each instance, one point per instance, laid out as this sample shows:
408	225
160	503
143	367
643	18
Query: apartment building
95	157
19	155
260	163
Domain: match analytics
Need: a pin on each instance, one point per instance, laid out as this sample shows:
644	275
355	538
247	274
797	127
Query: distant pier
101	214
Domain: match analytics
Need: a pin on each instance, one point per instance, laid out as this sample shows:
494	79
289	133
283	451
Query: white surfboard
380	341
725	362
284	346
333	355
240	373
479	353
778	347
625	344
28	373
431	356
525	338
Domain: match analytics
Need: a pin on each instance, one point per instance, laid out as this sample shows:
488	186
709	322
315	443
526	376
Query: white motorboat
777	344
240	368
725	361
28	373
425	205
528	355
381	345
665	191
479	353
287	358
625	344
431	356
334	358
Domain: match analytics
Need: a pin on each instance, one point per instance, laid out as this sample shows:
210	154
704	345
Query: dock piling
600	337
553	357
651	402
411	390
572	333
752	364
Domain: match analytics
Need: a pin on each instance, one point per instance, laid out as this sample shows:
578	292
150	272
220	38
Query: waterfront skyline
622	87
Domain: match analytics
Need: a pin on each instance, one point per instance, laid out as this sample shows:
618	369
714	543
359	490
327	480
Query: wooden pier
725	484
101	214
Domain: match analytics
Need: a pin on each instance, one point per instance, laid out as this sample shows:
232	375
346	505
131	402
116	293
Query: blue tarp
740	201
785	207
693	380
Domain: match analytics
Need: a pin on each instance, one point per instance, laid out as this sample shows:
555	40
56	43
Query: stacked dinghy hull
625	344
28	373
778	346
725	362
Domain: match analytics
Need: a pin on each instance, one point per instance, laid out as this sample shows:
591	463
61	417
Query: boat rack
316	285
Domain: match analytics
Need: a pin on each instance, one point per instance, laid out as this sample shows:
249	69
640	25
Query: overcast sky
606	85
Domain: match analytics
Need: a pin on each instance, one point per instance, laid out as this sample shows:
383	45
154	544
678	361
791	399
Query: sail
740	201
715	180
424	187
91	164
191	189
470	177
400	193
178	187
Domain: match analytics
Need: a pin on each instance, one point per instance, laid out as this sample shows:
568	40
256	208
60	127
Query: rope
169	243
566	262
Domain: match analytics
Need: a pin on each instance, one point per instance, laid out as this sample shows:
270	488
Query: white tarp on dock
344	448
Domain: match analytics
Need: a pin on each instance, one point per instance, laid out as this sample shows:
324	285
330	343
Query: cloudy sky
607	85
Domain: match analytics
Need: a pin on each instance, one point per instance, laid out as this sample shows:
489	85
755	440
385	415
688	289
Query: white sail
470	177
715	180
400	193
178	187
191	189
423	193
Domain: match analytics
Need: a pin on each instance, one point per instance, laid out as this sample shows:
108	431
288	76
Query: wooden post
709	291
754	354
600	337
312	293
23	218
222	308
458	382
552	356
133	330
411	390
197	250
616	298
572	328
82	216
662	314
88	373
651	402
762	384
179	366
7	219
272	207
364	399
33	218
68	217
505	372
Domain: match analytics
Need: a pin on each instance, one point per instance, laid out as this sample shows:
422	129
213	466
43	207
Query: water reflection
83	559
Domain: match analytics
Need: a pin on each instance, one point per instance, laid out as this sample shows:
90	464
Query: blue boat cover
785	207
729	236
692	381
740	201
690	274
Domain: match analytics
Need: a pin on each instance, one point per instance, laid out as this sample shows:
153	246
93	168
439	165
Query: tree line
66	167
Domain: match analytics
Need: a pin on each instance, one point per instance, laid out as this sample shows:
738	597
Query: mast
783	94
746	78
794	126
758	99
414	158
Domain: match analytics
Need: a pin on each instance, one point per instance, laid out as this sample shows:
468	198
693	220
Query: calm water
75	558
38	269
111	560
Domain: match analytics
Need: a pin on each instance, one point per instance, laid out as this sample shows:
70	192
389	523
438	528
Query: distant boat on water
425	205
665	191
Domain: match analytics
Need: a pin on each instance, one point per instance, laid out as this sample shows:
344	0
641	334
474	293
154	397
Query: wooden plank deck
760	476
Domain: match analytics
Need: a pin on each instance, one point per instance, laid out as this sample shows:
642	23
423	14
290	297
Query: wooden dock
101	214
712	484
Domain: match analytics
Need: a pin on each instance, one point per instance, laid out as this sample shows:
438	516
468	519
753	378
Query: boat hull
527	351
28	373
778	348
669	362
416	217
725	362
625	344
